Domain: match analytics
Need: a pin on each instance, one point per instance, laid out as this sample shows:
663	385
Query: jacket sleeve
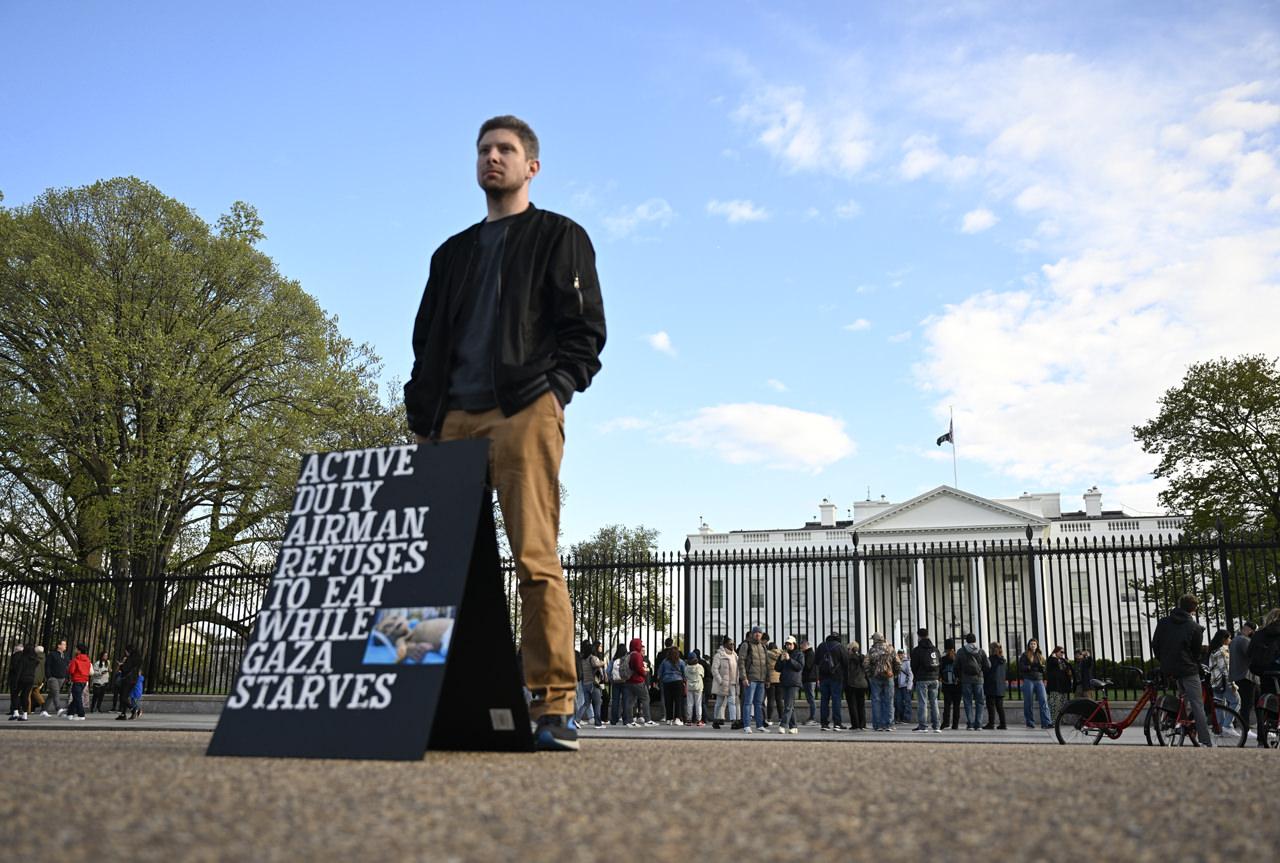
579	314
413	407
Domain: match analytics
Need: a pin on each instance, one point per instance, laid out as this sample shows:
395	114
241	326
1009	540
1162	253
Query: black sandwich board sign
384	629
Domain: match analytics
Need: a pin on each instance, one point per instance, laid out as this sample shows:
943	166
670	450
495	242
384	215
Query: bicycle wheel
1165	728
1233	731
1268	735
1075	723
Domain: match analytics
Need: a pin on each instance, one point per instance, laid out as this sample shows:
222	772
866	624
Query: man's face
62	645
755	636
501	163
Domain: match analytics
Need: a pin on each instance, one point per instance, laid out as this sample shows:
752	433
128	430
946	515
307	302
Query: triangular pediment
946	508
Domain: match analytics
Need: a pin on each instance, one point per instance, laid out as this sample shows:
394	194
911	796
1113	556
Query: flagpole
952	424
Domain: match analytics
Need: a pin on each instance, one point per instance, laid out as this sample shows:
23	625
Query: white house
1005	569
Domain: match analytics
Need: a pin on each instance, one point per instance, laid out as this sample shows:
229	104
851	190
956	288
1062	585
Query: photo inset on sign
411	636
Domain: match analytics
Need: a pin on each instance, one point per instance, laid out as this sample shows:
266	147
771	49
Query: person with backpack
882	668
994	686
724	683
972	665
950	685
832	668
1264	661
925	665
637	691
22	679
617	684
130	672
855	686
1031	672
1176	644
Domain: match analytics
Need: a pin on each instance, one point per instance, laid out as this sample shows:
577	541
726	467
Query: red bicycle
1173	723
1084	720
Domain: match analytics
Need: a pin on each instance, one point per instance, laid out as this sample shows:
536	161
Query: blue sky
818	225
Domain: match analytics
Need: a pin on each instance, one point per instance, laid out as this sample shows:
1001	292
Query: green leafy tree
1217	435
618	584
159	381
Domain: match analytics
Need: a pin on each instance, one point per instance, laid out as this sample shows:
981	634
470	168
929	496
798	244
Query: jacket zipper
442	402
497	323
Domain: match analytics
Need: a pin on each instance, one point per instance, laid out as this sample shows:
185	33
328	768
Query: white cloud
1154	209
661	342
848	210
899	338
737	211
977	221
654	211
776	385
923	156
768	435
803	138
858	326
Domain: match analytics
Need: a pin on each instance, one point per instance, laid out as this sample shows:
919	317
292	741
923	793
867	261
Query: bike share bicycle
1084	720
1267	711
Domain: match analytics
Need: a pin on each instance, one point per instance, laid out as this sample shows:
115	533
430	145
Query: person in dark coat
22	679
994	686
832	668
856	686
950	678
130	668
790	668
809	679
1177	643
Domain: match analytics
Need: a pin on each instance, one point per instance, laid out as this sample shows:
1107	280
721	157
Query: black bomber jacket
550	328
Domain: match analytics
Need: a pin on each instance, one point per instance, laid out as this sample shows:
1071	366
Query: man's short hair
528	139
1189	603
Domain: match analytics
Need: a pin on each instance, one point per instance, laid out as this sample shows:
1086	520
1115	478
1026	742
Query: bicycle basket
1271	706
1169	703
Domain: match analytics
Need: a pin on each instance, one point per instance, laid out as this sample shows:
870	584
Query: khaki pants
524	465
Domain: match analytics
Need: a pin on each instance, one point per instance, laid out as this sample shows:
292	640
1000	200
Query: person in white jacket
724	682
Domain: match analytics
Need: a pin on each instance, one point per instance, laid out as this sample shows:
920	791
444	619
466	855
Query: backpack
972	663
828	667
1263	652
616	670
931	662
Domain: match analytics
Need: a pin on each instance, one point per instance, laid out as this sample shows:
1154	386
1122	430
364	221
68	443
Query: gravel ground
155	796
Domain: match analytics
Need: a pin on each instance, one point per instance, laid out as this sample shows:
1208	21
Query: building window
1132	644
799	593
1083	640
1079	592
757	592
717	593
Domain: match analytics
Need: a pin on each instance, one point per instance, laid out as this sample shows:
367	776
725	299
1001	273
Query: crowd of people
755	685
39	680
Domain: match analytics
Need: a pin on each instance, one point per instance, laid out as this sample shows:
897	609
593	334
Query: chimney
827	513
703	528
1093	503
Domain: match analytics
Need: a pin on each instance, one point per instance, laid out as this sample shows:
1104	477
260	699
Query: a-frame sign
384	629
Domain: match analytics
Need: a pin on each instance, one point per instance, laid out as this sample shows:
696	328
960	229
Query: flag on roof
949	437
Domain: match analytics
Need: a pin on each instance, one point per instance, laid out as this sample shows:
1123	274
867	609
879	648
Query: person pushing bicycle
1176	644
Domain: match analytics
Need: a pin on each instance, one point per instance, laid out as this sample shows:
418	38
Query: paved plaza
109	790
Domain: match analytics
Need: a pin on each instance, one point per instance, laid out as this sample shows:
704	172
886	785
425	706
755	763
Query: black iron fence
1104	597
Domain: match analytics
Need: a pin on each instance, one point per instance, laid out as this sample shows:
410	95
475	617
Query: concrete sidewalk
772	798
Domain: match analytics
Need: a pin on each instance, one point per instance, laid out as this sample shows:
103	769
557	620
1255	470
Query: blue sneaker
556	734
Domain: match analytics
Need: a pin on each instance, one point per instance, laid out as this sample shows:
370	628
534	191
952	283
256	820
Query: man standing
55	671
1176	643
809	679
1238	670
972	665
511	324
832	668
753	669
925	664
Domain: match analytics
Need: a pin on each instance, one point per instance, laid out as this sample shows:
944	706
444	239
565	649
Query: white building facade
954	562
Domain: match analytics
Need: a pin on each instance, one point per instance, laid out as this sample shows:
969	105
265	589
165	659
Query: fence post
46	627
688	600
1033	588
1227	609
153	655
